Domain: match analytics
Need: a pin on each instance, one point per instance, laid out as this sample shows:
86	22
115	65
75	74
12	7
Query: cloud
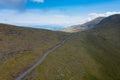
39	1
13	3
46	18
16	4
39	18
106	14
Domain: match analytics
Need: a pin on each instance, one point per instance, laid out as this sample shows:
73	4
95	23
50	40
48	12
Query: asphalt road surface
21	76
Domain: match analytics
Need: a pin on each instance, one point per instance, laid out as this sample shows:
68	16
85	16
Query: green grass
90	55
20	48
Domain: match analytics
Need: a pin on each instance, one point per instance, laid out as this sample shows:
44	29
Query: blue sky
57	13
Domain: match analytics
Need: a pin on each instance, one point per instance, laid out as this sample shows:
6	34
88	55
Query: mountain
84	26
113	19
89	55
21	47
93	23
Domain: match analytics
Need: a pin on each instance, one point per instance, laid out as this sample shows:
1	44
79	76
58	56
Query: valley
38	54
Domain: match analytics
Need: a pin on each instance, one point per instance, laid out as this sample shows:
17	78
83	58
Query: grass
90	55
21	47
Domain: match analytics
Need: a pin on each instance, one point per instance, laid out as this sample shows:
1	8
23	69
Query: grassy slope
22	47
90	55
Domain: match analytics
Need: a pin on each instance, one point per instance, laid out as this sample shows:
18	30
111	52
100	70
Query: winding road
21	76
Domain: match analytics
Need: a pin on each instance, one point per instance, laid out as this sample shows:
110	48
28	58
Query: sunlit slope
87	25
90	55
21	47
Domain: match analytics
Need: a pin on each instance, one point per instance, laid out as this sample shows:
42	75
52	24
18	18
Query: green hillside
21	47
90	55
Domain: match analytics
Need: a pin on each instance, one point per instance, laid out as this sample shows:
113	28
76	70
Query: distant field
21	47
90	55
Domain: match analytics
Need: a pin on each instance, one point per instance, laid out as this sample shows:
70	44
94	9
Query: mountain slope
84	26
93	23
21	47
90	55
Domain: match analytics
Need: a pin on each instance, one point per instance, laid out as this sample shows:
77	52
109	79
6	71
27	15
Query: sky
55	13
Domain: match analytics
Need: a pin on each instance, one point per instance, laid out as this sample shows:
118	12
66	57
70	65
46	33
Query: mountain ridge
90	55
85	26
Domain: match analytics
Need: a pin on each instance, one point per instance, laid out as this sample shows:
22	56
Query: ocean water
55	28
